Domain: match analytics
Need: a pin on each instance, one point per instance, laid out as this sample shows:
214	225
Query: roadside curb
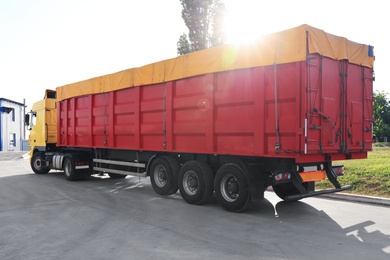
357	198
352	198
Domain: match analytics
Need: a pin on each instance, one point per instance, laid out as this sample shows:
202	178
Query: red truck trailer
231	120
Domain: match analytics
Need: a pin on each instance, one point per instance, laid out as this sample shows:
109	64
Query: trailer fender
149	164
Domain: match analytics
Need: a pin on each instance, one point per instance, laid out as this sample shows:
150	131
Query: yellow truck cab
42	123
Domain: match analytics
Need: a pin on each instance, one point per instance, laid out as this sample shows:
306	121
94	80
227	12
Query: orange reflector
313	176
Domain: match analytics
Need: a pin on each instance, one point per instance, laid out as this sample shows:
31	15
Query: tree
183	45
381	111
204	20
218	36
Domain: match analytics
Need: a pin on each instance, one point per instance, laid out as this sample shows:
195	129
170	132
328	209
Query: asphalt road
47	217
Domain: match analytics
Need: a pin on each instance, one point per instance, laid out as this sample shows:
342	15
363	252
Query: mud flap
256	181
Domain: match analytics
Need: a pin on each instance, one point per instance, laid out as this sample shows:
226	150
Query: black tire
196	182
232	188
287	189
69	169
37	164
117	176
164	173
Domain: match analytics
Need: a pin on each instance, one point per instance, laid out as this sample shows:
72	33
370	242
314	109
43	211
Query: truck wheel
164	173
287	189
69	169
196	182
231	188
37	164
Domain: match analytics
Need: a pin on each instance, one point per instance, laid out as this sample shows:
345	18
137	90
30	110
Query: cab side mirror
27	119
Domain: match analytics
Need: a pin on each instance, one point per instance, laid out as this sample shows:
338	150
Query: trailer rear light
282	176
81	163
339	170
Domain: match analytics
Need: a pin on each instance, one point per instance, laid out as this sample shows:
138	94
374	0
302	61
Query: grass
369	176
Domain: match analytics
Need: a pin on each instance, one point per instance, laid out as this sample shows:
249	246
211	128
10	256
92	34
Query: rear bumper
316	193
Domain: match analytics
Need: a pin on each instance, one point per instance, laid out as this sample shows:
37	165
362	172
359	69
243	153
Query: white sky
49	43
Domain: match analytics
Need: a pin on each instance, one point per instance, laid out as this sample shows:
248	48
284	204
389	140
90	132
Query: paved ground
46	217
9	156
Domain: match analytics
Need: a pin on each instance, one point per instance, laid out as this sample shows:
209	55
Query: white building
12	128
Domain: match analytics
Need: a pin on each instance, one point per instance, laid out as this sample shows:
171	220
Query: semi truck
228	121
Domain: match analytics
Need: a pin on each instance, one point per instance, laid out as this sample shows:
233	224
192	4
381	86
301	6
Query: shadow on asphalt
287	220
300	214
295	215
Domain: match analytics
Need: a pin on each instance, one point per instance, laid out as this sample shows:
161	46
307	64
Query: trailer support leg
297	182
332	176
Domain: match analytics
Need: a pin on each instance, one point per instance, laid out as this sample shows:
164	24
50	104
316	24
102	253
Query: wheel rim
190	183
160	176
230	188
38	163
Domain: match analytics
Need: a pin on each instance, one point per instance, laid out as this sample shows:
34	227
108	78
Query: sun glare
244	21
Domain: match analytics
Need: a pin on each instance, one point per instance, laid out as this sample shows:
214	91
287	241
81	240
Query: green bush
369	176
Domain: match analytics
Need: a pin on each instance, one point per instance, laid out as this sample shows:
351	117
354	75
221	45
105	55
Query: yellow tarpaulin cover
281	47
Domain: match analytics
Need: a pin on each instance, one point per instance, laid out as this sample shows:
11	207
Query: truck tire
287	189
232	188
164	173
69	169
196	182
37	164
